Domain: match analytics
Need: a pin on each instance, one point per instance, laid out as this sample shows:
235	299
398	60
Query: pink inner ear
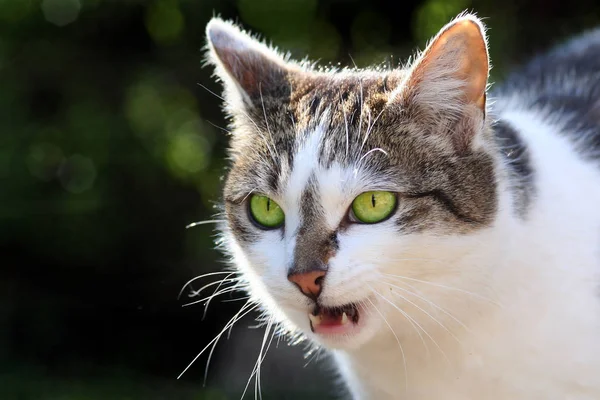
252	65
462	50
246	68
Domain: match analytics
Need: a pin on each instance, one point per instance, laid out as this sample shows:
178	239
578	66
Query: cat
438	239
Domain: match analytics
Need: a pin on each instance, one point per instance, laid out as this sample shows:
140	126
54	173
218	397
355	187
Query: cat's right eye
266	212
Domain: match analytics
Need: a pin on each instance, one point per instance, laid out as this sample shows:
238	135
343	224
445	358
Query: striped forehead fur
390	124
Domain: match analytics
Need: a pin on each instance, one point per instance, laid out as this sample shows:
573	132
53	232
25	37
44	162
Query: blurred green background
109	147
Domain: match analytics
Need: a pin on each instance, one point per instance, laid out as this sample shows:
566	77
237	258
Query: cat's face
349	190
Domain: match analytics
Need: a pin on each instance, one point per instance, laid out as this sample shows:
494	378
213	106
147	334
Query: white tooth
315	319
344	319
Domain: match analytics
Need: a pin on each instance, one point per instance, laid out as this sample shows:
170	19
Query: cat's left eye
373	207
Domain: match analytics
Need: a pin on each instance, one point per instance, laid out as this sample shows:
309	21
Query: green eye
373	207
266	212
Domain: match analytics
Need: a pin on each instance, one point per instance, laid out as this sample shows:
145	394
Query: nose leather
310	283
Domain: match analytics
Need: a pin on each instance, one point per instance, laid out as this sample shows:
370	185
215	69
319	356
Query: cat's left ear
451	75
248	68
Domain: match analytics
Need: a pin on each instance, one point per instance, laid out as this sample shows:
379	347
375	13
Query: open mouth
334	320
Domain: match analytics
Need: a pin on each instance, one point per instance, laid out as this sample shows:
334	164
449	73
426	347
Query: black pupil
373	200
268	204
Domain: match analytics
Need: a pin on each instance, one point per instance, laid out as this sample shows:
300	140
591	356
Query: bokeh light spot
43	160
144	108
77	174
164	21
188	152
61	12
433	15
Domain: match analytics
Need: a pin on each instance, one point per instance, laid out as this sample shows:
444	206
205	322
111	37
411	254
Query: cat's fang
315	320
344	319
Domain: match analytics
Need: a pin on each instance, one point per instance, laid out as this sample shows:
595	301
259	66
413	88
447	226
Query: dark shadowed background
109	147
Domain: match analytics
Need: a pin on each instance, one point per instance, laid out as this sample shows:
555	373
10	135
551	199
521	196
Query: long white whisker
429	315
226	279
200	277
444	287
424	331
207	298
214	346
210	221
397	340
263	358
256	369
428	301
231	322
195	293
416	326
231	300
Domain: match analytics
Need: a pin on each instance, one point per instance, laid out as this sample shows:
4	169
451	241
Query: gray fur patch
517	159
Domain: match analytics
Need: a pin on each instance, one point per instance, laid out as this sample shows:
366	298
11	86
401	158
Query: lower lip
331	328
337	329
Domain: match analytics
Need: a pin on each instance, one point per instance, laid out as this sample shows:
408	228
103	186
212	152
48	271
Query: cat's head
355	195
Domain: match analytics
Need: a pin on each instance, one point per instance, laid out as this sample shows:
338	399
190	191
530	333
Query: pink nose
310	283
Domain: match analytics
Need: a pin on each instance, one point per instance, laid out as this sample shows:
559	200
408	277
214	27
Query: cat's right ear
248	68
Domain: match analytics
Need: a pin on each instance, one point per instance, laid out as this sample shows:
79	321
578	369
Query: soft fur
484	282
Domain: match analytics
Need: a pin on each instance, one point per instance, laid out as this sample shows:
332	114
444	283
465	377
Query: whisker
424	331
263	359
210	356
370	128
224	280
397	340
362	103
262	101
352	59
312	353
411	320
346	126
222	291
428	301
371	151
220	127
245	114
433	260
444	287
200	277
195	293
211	92
210	221
232	300
231	322
429	315
256	369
